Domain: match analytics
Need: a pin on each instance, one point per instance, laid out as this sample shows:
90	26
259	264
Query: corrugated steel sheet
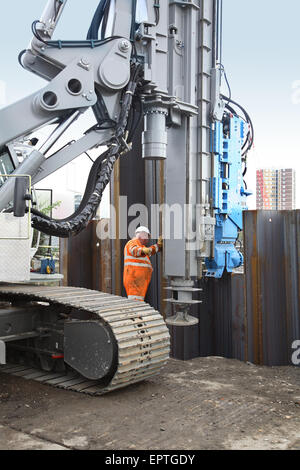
221	328
85	260
272	258
253	316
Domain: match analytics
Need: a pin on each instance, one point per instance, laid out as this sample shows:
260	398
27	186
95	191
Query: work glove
147	251
160	242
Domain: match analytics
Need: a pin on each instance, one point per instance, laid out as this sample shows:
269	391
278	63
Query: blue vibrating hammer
229	194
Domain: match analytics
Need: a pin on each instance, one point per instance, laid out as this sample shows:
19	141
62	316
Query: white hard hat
143	229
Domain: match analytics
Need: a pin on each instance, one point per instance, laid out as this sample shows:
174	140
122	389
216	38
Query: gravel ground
207	403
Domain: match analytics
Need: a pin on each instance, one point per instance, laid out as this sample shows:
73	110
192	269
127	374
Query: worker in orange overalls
137	265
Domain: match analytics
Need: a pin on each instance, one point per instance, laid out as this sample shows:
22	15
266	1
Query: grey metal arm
70	152
74	75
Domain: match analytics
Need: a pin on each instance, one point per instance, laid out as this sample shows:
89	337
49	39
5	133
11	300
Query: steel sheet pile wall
272	258
85	260
253	316
221	328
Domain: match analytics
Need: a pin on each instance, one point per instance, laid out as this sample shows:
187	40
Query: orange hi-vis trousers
137	269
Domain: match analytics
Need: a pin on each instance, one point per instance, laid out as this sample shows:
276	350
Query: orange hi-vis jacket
137	269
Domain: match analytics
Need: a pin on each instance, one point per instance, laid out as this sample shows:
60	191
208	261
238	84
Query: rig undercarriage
89	341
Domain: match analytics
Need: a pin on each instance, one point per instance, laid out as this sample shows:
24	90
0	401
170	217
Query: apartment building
276	189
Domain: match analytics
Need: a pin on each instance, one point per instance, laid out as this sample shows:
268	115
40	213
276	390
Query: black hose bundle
101	171
248	144
100	19
95	25
99	177
250	136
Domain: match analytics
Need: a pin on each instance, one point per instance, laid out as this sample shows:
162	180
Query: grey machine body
181	100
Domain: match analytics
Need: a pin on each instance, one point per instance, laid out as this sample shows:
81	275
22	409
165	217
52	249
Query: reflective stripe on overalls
137	270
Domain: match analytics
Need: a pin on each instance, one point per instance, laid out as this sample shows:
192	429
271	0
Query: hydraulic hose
97	182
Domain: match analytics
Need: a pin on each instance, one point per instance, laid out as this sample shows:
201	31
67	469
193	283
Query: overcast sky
260	54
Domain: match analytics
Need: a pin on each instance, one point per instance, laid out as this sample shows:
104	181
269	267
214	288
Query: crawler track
140	333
